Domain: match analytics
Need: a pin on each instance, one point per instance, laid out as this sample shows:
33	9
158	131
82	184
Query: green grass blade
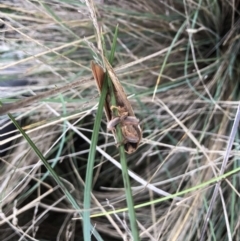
113	49
90	164
123	159
59	151
54	175
167	56
92	151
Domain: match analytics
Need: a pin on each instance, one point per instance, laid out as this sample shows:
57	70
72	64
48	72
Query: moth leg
121	111
112	123
113	107
124	120
129	120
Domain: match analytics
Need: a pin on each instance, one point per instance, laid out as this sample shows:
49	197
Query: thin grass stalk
54	175
123	160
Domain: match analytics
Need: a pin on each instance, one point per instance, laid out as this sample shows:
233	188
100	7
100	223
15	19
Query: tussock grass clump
179	64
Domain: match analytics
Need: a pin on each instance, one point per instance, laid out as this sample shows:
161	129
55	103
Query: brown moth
130	128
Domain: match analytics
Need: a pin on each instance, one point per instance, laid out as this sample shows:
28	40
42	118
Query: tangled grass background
179	63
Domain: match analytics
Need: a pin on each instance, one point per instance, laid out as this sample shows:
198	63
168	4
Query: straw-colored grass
178	63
